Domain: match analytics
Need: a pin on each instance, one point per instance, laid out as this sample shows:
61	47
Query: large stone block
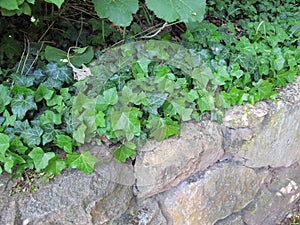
163	165
214	195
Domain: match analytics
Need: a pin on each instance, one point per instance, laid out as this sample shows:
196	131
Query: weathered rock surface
163	165
73	198
244	171
267	133
207	197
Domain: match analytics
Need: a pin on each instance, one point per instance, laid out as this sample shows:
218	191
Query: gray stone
278	195
71	198
266	133
212	196
234	219
163	165
144	212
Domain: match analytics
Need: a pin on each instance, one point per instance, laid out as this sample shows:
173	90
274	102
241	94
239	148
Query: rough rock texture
163	165
244	171
267	133
205	199
72	198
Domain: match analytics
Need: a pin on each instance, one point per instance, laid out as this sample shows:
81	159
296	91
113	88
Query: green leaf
124	151
79	134
8	163
50	117
55	55
180	107
61	73
184	10
9	4
55	166
4	143
64	142
5	99
222	76
100	119
43	93
162	128
84	57
55	100
17	89
84	161
125	123
154	102
9	120
118	11
18	146
23	80
49	133
20	105
15	157
202	76
32	135
58	3
21	126
109	97
40	158
206	103
51	83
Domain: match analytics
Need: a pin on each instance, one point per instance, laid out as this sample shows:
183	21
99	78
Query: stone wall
243	171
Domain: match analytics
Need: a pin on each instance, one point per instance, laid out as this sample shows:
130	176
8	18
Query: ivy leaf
124	151
62	73
84	161
184	10
109	97
21	105
21	126
43	93
55	100
40	158
154	102
9	119
53	83
180	107
126	123
206	103
64	142
4	97
32	135
135	98
4	143
118	11
49	133
202	76
162	128
23	80
55	166
50	117
17	89
18	146
79	133
100	119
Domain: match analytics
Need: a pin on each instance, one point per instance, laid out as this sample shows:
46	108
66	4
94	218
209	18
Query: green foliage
120	11
182	10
